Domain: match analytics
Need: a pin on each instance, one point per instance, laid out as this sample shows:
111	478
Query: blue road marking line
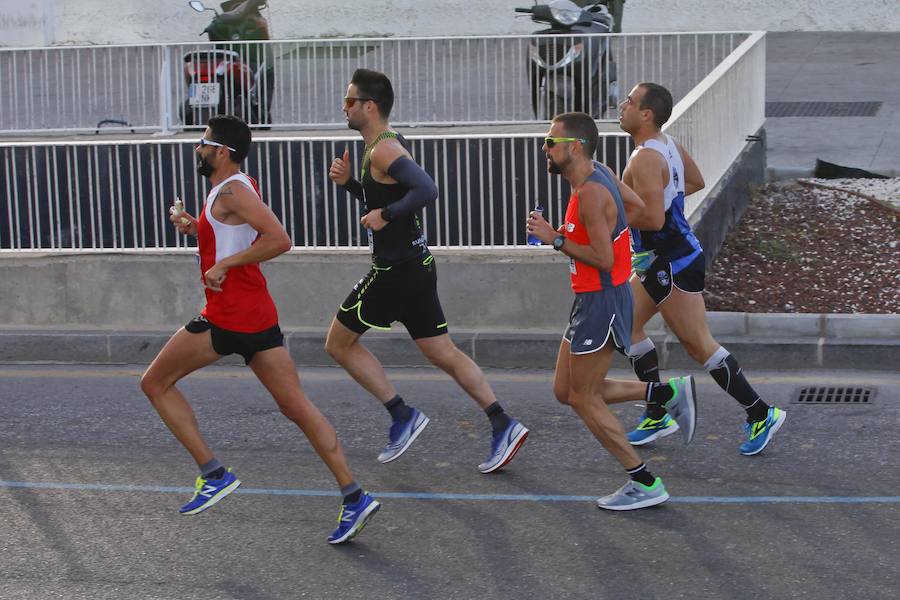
107	487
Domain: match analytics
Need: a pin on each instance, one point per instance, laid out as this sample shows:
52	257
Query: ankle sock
399	410
642	475
499	419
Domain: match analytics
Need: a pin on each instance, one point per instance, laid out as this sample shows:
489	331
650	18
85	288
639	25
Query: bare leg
644	309
278	374
685	314
443	353
583	376
343	345
184	353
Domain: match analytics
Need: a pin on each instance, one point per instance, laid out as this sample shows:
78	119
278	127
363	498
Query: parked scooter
236	79
567	72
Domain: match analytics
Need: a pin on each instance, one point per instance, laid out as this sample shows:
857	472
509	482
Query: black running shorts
406	292
658	279
225	341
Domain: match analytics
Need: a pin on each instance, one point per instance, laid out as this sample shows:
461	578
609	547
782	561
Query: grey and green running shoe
650	429
683	407
634	495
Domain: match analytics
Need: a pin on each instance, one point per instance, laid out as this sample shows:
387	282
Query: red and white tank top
586	278
244	304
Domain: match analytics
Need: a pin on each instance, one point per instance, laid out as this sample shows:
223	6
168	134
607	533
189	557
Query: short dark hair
231	131
659	100
377	86
580	125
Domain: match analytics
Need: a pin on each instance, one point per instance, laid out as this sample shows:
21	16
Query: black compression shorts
405	292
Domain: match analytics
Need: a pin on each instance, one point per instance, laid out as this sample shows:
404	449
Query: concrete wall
48	22
479	290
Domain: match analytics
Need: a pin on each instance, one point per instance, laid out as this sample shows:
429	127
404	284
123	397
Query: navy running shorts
597	316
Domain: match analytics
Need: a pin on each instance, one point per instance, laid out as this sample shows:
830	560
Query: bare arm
693	179
634	206
595	209
646	175
239	204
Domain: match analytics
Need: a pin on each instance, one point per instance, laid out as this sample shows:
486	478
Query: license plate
203	94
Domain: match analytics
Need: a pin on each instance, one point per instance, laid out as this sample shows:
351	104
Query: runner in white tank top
670	269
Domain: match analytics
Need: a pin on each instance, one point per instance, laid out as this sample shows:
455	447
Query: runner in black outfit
402	284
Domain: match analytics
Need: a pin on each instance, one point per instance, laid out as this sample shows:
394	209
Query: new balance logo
208	491
588	342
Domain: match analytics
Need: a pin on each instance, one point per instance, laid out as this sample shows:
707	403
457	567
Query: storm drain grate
835	395
822	109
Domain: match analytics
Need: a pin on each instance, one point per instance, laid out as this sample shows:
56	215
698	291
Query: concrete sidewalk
833	67
761	341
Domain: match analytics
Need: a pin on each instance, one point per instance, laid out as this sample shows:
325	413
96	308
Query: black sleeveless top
402	238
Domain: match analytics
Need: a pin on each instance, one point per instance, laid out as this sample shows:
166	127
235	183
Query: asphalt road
90	484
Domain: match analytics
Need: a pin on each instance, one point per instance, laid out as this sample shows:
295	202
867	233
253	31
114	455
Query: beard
552	167
353	124
204	168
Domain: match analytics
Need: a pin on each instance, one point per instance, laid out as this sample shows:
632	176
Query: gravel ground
812	250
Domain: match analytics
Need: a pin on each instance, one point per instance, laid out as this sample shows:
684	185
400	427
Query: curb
760	341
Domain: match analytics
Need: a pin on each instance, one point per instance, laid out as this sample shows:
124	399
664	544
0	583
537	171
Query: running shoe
634	495
209	491
683	406
759	433
504	446
353	517
652	429
402	434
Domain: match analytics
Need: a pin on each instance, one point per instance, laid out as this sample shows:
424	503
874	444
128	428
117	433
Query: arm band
354	187
422	190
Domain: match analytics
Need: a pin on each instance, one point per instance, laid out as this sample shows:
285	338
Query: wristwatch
386	213
558	242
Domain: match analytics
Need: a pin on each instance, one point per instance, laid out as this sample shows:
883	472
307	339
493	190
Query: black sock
499	419
398	409
642	475
351	493
217	474
724	368
657	396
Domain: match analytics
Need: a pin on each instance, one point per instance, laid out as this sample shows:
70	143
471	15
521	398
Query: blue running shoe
209	491
401	435
504	446
759	433
353	518
652	429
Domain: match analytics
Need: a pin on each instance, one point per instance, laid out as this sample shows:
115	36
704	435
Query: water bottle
177	209
533	241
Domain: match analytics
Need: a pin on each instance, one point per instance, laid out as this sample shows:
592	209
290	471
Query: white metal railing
82	195
437	80
115	194
713	121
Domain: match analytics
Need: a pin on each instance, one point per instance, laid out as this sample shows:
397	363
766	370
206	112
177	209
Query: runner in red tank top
595	238
236	232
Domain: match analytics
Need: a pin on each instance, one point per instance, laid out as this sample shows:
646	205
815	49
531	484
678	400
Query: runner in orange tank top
596	240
